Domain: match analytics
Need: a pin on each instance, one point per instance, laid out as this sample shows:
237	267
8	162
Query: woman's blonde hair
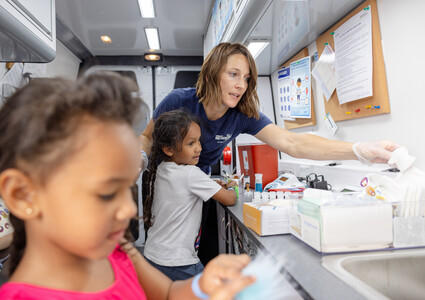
208	86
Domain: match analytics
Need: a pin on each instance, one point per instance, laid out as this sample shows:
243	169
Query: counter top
301	262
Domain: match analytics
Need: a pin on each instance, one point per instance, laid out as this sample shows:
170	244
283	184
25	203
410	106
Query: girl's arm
225	196
221	278
155	284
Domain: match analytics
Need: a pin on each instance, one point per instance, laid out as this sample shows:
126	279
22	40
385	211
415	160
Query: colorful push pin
326	44
348	113
357	110
368	106
377	107
332	33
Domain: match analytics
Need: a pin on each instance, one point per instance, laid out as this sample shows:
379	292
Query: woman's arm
315	147
146	144
146	138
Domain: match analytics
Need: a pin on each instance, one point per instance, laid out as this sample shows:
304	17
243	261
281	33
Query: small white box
267	218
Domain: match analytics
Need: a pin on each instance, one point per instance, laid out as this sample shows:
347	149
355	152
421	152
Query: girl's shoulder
172	166
126	284
172	169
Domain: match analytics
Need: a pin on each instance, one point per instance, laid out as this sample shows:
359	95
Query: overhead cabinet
27	30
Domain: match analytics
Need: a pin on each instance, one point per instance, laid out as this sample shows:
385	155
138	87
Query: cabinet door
223	225
38	12
38	16
242	243
28	30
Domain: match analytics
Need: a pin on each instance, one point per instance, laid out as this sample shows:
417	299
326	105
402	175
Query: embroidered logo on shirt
222	138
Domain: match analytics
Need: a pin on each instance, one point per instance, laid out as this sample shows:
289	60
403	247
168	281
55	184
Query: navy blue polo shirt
215	134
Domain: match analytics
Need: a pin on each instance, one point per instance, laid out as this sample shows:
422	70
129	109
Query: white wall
402	28
64	65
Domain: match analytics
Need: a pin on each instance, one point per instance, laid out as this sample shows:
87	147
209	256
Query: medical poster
221	13
284	83
300	88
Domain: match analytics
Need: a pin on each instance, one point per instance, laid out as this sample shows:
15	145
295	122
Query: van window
186	79
131	75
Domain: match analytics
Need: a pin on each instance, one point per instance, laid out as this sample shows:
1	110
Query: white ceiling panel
181	25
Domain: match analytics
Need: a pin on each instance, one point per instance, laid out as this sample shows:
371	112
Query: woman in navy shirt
226	101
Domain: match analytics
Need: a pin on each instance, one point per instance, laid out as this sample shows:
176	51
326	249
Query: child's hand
131	251
220	182
230	184
222	278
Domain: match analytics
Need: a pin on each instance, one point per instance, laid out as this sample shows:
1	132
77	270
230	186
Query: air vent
71	41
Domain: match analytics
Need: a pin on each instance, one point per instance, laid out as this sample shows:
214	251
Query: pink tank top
126	285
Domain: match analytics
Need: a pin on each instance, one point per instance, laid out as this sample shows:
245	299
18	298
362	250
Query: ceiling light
146	8
256	46
153	38
106	39
153	56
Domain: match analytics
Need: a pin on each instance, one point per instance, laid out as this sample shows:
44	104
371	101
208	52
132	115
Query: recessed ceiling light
153	38
153	56
106	39
256	46
146	8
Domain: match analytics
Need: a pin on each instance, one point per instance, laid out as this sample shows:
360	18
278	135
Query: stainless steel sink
382	275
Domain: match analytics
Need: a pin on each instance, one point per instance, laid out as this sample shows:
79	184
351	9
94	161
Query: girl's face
188	153
234	79
86	205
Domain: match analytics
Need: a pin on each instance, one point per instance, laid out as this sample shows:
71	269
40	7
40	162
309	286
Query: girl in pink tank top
68	158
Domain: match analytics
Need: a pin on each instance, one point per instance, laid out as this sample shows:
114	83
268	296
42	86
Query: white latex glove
374	152
401	159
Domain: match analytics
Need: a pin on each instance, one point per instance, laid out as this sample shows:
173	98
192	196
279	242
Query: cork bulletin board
300	122
367	106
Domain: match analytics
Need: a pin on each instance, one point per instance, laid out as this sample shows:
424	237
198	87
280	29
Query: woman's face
234	80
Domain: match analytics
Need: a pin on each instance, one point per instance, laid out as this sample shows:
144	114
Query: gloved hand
374	152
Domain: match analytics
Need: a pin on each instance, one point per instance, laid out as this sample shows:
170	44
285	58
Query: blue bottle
258	182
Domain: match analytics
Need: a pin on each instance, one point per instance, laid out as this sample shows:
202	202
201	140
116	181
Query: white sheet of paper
324	71
283	81
330	124
353	57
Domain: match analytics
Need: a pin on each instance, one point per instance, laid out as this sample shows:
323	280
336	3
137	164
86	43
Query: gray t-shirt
177	210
